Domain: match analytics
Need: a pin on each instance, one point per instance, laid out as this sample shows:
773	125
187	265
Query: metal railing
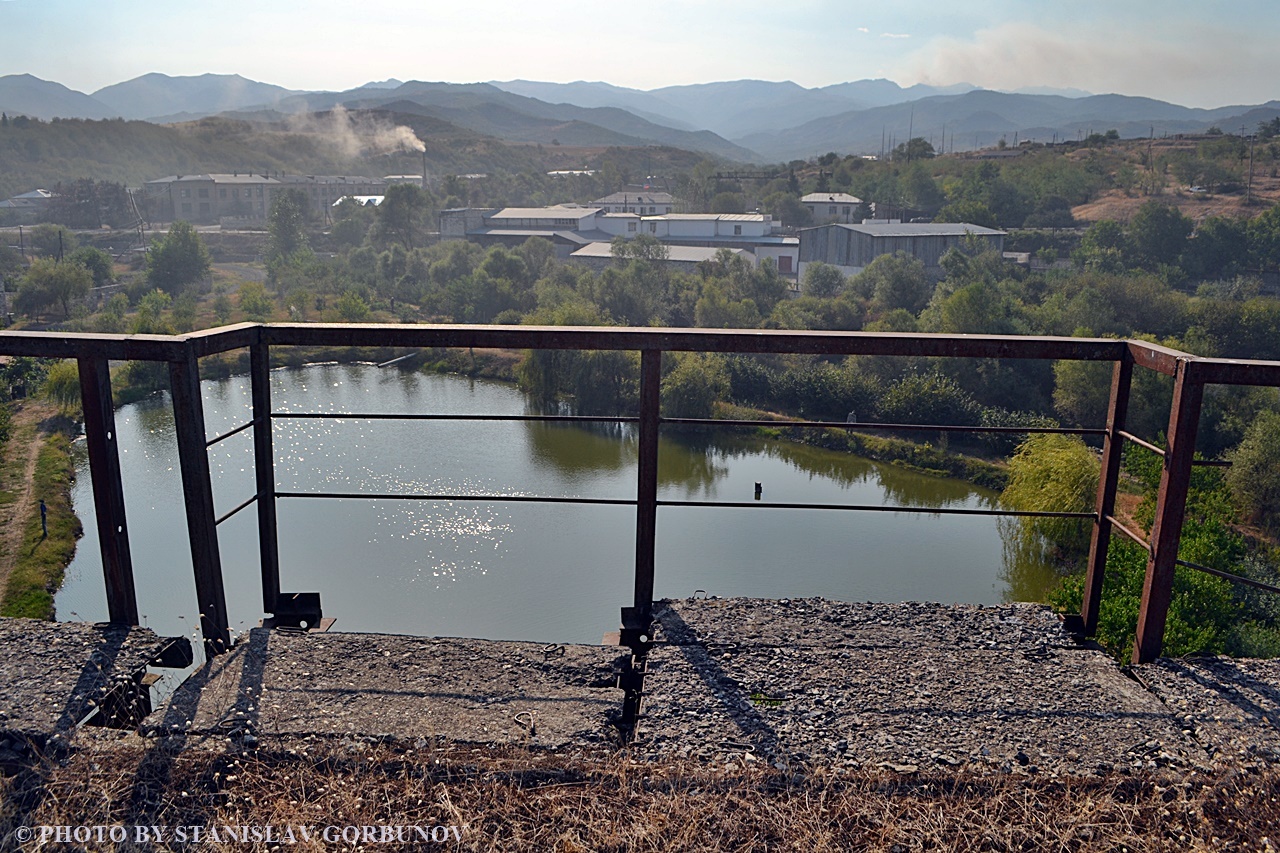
182	353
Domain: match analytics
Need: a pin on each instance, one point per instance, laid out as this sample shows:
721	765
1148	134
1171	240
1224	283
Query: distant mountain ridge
740	120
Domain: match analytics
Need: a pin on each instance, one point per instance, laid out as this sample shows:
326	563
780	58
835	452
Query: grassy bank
41	560
923	458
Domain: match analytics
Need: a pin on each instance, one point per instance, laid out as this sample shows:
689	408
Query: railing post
1171	504
1109	476
197	489
264	466
108	489
647	484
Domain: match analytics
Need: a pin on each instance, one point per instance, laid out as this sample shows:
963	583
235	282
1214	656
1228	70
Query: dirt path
17	476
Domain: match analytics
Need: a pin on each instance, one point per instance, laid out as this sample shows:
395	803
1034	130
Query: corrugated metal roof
830	198
544	212
642	197
917	229
683	254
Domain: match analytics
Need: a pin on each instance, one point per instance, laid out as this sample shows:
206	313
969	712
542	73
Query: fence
93	353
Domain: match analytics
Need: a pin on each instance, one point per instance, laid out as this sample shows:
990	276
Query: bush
1254	475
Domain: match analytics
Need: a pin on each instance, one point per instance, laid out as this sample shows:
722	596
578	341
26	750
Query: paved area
794	683
400	688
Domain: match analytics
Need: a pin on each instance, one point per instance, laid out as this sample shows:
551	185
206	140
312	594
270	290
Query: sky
1203	53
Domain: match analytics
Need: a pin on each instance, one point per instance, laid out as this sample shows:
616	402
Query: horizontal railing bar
694	340
211	442
400	496
878	426
1119	525
1211	463
384	416
223	518
1140	442
1228	576
878	508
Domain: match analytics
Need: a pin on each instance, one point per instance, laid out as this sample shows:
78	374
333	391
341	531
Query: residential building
28	205
834	207
571	228
852	247
640	202
246	197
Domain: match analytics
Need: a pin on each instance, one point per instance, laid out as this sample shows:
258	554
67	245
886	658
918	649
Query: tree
728	203
255	303
49	282
98	263
1254	475
693	387
52	241
62	387
178	260
351	307
400	214
822	280
1159	233
917	148
897	281
286	224
1053	473
786	208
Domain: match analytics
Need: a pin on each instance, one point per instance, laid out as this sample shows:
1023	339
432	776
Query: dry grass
519	800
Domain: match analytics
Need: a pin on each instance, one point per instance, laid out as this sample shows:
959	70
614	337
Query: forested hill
41	154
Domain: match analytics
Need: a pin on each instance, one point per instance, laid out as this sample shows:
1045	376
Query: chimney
424	169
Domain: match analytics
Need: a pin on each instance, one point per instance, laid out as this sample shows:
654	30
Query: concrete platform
399	688
906	686
54	675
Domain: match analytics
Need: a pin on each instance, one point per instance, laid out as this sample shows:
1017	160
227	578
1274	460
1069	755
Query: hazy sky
1194	52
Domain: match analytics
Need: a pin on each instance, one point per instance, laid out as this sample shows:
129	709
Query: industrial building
852	247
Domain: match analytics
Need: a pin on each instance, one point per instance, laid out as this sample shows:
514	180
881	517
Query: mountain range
743	120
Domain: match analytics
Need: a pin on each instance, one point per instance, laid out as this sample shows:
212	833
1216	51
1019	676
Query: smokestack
424	168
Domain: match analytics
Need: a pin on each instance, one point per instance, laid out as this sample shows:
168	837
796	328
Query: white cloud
895	35
863	30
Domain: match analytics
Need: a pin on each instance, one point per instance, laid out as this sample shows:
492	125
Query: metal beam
108	489
197	489
1171	504
1109	477
647	480
265	473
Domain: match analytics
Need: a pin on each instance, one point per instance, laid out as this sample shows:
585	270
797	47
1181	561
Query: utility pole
1248	198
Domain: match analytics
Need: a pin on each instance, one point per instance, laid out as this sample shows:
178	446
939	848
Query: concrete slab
400	688
55	674
906	686
1231	707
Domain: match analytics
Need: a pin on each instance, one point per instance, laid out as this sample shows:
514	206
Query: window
204	207
186	208
186	193
652	211
631	226
831	209
737	230
653	228
222	193
203	192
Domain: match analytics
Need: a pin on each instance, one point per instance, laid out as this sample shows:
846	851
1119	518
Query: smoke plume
356	135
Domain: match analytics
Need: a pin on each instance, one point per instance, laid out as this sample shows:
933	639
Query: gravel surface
902	686
1231	707
400	688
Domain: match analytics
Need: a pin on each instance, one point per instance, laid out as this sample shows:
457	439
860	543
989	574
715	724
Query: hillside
152	96
23	94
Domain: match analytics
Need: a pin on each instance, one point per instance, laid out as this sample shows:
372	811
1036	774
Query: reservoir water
519	570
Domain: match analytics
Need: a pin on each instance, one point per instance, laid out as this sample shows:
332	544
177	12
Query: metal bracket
296	610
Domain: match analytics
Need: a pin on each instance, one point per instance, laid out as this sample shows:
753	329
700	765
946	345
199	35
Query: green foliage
49	282
97	262
1254	475
1053	473
286	224
692	387
350	306
52	241
62	387
896	281
178	260
256	304
822	280
401	215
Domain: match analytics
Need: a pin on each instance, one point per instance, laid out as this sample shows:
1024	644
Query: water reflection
521	570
